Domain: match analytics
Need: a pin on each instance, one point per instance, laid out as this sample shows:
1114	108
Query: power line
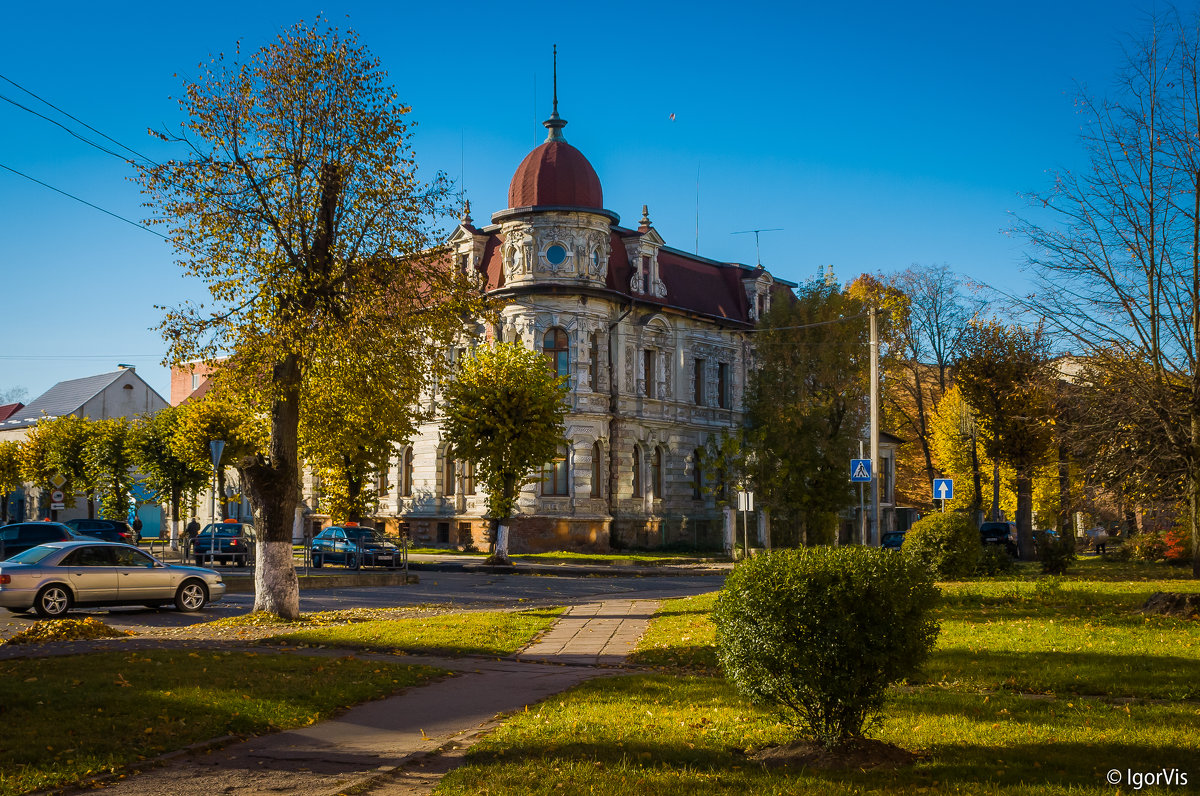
83	201
73	118
69	131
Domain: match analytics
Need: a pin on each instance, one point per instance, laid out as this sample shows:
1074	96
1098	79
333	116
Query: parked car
108	530
892	541
55	577
225	542
1000	533
355	546
21	536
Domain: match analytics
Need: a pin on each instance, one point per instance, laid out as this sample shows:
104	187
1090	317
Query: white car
55	577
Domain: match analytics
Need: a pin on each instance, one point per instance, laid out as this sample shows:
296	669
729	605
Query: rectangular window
700	382
648	365
594	363
723	385
468	476
645	275
554	476
195	381
443	533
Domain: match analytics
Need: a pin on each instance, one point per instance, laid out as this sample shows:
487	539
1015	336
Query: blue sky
875	136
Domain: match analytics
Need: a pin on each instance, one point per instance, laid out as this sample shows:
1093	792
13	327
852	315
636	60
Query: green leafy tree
10	474
35	467
158	457
110	461
504	411
299	206
67	441
1002	374
216	416
806	407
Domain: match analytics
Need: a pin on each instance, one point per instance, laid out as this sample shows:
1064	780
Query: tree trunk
176	499
1066	528
995	490
500	528
1024	513
91	504
274	487
977	481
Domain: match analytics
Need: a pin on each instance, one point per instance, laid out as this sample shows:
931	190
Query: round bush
946	543
820	633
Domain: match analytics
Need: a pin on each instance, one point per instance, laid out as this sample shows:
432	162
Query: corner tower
555	228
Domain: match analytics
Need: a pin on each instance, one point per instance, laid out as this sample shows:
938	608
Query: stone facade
657	349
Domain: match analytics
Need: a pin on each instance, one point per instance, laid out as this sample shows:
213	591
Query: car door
140	577
93	574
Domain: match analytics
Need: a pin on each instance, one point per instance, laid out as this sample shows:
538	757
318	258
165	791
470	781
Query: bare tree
929	338
1116	245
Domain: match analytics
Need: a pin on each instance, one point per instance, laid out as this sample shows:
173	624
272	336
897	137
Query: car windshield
223	529
363	535
33	555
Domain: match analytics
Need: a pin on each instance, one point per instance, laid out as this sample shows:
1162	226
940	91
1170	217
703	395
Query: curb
244	584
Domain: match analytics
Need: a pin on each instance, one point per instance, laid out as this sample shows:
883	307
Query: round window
556	254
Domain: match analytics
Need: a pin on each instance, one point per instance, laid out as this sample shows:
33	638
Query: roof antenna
555	123
757	253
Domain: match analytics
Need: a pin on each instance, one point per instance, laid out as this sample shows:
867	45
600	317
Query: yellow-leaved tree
296	201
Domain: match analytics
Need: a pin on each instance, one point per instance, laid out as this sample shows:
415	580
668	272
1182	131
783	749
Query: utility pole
874	535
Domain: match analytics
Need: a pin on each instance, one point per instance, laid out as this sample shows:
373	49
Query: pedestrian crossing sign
860	471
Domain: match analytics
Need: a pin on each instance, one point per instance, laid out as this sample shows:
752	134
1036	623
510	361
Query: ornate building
654	341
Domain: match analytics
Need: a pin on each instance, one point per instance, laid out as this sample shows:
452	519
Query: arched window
597	471
554	474
698	474
656	472
557	350
406	473
447	473
637	471
468	475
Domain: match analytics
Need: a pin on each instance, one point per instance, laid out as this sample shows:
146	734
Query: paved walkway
595	634
386	747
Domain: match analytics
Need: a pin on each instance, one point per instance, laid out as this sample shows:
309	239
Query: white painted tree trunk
276	588
502	542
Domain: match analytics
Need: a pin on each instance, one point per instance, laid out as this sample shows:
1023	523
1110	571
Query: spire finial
644	224
555	123
466	213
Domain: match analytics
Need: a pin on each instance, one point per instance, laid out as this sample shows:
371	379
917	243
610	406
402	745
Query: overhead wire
83	201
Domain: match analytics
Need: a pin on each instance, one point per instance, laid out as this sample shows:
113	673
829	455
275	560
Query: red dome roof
555	174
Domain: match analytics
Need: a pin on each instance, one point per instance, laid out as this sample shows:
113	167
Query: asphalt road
467	590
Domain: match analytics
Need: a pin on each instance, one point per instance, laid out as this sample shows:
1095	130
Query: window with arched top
554	475
447	473
656	472
597	471
557	349
637	471
406	473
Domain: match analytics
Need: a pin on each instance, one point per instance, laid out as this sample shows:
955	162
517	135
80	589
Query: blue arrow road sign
860	471
943	488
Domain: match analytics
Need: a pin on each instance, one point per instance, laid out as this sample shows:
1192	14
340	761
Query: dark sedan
354	546
108	530
227	541
52	578
21	536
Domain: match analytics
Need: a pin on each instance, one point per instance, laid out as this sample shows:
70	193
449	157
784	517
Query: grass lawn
79	716
1026	693
490	633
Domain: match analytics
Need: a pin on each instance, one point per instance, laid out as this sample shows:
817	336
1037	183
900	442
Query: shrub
946	543
1178	544
1147	546
1056	554
819	633
994	560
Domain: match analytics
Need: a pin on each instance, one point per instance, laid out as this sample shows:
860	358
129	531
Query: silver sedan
52	578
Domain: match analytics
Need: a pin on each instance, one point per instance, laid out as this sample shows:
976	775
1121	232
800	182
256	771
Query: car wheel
318	561
192	596
52	602
241	562
353	562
